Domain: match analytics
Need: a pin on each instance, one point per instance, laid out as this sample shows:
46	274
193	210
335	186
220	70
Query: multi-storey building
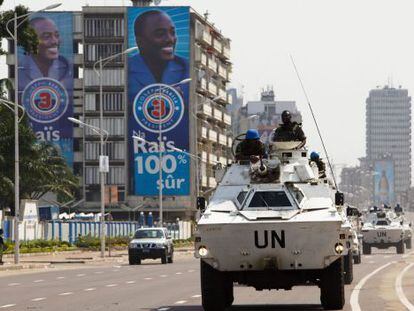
388	132
266	114
99	32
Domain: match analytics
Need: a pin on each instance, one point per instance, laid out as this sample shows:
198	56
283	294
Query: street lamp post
101	132
160	155
13	35
102	62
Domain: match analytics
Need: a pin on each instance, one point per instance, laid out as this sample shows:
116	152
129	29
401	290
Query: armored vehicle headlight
202	251
339	248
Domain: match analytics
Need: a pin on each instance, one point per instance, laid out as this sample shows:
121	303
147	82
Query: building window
104	27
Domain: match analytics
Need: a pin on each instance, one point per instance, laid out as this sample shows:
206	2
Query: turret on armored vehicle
273	224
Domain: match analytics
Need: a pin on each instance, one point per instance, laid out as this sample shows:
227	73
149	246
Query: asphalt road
384	281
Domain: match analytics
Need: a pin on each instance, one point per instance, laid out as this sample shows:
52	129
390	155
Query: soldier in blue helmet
314	157
251	145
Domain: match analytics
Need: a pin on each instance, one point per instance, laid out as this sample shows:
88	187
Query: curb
13	267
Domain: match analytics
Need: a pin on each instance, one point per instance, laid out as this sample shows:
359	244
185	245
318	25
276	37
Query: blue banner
46	81
384	182
158	102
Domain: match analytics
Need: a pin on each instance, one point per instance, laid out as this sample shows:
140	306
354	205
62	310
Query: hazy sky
342	49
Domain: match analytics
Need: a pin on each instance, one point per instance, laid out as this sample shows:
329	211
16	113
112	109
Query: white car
151	243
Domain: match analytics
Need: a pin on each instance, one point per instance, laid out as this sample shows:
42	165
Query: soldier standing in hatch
251	145
314	157
289	131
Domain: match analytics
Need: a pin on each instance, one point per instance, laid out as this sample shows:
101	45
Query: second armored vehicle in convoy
273	224
383	229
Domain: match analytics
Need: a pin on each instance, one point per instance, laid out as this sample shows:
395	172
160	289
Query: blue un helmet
314	156
252	134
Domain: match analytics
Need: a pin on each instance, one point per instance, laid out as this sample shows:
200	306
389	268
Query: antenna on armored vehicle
314	119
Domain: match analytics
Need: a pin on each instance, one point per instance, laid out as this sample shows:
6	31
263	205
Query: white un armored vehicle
383	229
273	224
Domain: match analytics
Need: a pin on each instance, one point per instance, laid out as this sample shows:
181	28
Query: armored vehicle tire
348	268
216	288
366	249
400	247
332	286
408	243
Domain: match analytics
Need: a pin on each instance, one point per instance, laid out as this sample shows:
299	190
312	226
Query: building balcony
229	142
204	59
212	182
205	109
212	88
222	139
223	161
202	84
206	38
226	52
218	114
212	64
212	159
202	132
222	71
204	156
217	45
212	136
229	99
227	119
204	180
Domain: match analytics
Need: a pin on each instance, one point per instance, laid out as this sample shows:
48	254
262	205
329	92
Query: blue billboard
45	81
157	101
384	182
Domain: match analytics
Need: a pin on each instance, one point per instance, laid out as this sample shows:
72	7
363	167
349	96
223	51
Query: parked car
151	243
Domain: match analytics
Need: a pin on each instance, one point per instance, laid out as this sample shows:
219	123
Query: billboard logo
158	105
45	100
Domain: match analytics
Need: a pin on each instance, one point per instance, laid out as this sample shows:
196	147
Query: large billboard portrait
46	81
157	101
384	182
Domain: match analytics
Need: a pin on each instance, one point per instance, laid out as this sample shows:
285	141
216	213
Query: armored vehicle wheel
400	247
348	268
332	286
366	249
164	258
216	288
408	243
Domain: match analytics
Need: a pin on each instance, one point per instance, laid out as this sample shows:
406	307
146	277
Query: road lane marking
371	261
178	273
163	309
66	294
163	276
399	288
38	281
81	274
355	293
116	266
99	272
130	282
148	279
196	296
60	278
39	299
180	302
8	306
387	256
111	285
89	289
191	271
14	284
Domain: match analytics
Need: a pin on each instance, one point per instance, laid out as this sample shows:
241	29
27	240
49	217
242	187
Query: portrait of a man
155	35
47	62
